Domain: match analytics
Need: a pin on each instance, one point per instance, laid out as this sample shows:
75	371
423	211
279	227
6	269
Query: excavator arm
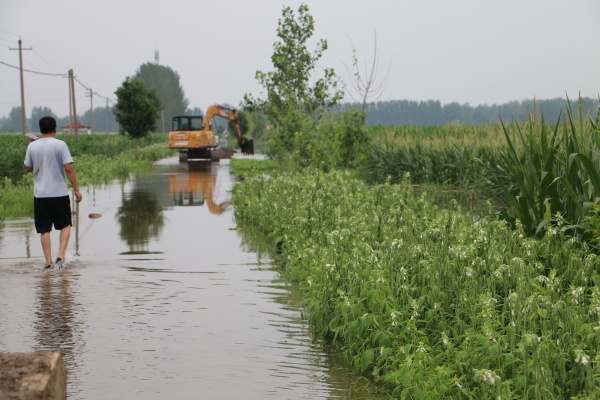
246	145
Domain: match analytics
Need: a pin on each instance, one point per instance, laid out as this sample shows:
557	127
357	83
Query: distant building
81	128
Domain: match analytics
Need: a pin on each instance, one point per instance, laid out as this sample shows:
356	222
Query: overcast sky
465	51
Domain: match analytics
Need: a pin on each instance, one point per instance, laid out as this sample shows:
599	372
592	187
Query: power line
51	74
82	85
44	60
62	75
34	72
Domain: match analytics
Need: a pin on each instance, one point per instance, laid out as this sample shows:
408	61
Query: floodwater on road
161	299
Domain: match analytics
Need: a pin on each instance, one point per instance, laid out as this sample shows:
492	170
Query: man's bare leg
46	247
65	234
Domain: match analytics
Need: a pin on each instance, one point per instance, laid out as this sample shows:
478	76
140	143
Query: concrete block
32	376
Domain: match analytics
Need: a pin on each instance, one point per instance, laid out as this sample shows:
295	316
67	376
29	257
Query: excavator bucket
247	146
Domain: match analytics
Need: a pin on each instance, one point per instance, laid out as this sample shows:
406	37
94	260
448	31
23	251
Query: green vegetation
245	167
166	82
99	159
553	173
538	173
296	99
418	297
424	300
137	108
446	155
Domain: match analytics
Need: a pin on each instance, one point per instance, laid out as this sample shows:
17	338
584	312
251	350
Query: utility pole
72	79
70	105
106	115
23	117
91	95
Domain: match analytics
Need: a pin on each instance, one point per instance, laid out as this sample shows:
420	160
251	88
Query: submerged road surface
160	298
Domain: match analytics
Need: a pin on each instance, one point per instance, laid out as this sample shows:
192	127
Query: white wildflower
445	339
581	357
489	377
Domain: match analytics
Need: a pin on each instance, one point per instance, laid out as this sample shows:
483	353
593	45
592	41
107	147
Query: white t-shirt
47	157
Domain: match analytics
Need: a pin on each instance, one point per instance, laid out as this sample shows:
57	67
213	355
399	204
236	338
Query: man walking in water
50	160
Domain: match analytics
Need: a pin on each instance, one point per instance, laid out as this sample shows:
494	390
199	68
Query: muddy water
160	299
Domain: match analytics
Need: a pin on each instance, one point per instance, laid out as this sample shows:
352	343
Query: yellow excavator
194	138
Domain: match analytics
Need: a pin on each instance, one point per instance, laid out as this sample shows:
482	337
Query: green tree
167	84
292	103
15	121
104	119
136	109
258	124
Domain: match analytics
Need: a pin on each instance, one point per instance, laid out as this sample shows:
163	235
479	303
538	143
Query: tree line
385	113
433	113
104	119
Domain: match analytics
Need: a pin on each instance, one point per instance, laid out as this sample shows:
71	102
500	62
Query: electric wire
62	75
34	72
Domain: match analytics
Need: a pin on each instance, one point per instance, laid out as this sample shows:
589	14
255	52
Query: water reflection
196	186
141	219
141	214
57	327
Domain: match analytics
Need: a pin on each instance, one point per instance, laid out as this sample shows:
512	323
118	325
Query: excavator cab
187	123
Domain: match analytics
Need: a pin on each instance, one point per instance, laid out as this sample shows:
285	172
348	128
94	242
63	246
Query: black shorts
51	210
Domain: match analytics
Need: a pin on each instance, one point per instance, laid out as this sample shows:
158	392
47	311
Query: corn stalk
555	171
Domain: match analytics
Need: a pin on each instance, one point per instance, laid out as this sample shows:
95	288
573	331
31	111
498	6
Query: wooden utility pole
70	105
72	79
91	111
23	117
106	115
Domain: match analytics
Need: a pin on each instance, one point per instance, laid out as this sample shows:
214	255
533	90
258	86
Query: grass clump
245	167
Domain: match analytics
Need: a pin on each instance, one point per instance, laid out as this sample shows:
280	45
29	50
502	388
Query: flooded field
161	299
